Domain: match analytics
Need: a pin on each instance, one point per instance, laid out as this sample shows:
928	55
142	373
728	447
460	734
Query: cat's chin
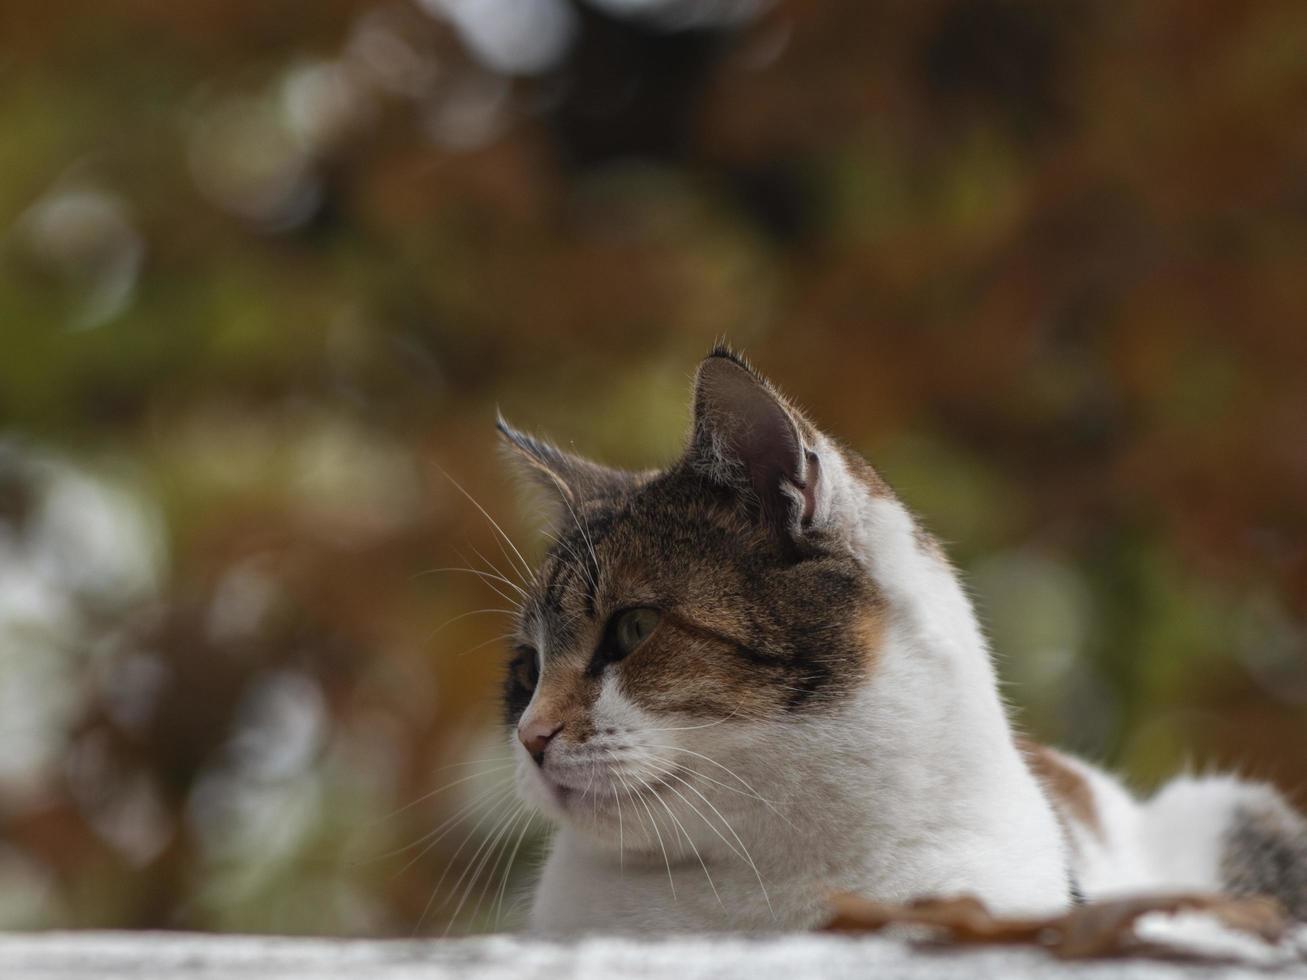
572	803
552	799
583	807
595	807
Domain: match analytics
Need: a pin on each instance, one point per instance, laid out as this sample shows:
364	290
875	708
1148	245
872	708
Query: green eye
633	627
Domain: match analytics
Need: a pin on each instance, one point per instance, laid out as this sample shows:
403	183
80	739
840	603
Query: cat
752	679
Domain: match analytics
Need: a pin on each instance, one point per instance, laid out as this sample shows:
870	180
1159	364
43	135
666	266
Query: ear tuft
724	350
535	451
565	481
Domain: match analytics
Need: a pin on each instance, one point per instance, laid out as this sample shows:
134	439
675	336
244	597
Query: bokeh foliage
268	269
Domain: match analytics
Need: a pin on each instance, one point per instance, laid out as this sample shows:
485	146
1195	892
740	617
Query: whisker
488	578
563	543
585	536
493	523
494	855
485	643
454	857
502	764
690	840
730	772
523	817
671	882
490	846
428	796
658	760
443	829
474	762
499	572
574	555
508	868
727	824
631	796
621	843
734	850
475	612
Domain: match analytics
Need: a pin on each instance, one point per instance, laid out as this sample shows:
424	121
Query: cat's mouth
608	786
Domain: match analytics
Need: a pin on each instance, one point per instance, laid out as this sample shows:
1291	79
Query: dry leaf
1098	929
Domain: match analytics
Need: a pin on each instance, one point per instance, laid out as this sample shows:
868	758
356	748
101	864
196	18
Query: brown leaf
1100	929
1107	928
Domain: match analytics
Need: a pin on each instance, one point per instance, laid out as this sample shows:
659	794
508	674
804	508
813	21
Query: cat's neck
923	761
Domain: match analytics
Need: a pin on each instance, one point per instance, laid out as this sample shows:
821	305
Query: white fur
1172	842
913	787
1109	857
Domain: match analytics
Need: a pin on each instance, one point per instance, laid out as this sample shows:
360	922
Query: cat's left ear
748	437
563	481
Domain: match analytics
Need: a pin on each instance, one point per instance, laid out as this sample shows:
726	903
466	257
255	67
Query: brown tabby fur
749	627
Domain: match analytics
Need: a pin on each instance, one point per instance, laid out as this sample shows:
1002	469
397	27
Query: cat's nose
536	736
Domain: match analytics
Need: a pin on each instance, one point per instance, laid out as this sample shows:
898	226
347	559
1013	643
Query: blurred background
268	268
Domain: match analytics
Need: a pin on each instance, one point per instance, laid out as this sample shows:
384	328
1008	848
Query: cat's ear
563	481
748	437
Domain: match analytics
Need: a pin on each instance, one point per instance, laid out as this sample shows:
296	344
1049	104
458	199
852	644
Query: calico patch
1069	791
1265	853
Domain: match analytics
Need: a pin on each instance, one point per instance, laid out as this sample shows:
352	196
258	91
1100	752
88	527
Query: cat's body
752	680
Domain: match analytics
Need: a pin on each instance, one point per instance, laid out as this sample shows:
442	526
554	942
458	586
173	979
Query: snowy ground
151	956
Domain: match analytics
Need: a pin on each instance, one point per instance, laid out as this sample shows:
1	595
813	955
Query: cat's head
686	623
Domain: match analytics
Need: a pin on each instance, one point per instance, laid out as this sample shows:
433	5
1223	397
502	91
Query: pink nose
537	735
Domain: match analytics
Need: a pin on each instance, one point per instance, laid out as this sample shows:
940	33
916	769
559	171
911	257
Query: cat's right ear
561	480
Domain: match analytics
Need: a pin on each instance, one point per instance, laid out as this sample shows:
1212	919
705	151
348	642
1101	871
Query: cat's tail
1222	833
